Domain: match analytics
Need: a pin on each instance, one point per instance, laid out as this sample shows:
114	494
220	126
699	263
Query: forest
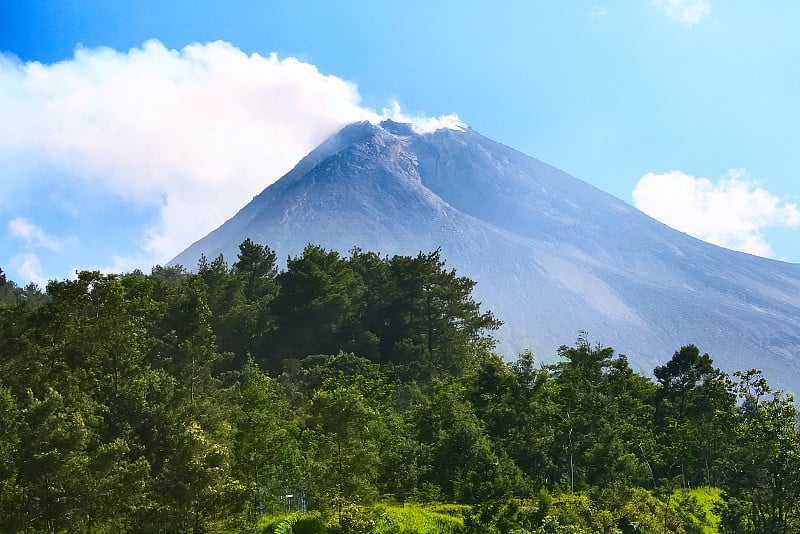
341	392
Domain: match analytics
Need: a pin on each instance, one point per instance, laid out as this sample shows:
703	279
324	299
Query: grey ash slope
552	255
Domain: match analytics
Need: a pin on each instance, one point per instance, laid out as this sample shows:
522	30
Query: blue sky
134	128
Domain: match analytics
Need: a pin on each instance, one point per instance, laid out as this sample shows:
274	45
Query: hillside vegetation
359	394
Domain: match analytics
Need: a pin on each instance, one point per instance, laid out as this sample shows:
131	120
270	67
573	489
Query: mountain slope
552	255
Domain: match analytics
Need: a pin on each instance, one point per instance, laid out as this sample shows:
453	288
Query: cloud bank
733	212
688	12
196	132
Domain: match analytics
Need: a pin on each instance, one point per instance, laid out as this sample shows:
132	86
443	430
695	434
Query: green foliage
343	445
464	464
179	402
763	485
601	511
240	300
694	417
433	323
697	509
11	432
318	303
295	523
600	418
380	519
267	456
418	520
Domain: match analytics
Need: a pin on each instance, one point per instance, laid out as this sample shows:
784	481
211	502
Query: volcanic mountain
552	255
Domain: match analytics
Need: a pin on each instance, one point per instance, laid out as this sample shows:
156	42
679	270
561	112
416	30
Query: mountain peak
398	128
552	255
424	125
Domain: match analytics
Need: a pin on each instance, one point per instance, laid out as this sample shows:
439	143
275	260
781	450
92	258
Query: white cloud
22	228
29	269
197	132
688	12
733	212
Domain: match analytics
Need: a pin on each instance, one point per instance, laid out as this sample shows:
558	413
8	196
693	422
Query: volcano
551	254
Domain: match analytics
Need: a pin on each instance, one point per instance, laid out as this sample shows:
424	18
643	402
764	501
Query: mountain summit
552	255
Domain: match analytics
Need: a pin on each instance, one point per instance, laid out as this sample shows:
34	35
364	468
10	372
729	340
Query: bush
296	523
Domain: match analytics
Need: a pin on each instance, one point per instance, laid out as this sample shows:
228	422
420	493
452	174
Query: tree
266	442
54	467
694	408
763	483
462	461
224	295
600	413
256	265
514	404
318	305
187	349
343	445
433	319
371	339
11	431
238	300
195	485
9	292
580	406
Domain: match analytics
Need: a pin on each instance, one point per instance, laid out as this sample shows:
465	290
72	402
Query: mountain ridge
552	255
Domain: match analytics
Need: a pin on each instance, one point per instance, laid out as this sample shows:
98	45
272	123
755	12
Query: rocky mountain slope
552	255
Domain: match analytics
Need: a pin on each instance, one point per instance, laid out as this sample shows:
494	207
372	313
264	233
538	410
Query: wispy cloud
734	212
688	12
33	236
195	132
597	12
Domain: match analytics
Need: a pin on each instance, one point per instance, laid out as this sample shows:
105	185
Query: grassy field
682	510
698	507
379	519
